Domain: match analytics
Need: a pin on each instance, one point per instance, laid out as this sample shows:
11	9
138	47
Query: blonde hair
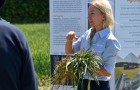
105	7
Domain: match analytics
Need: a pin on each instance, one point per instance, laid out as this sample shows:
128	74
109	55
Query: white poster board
127	27
127	31
65	16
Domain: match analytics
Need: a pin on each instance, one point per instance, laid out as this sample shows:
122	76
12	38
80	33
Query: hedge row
26	11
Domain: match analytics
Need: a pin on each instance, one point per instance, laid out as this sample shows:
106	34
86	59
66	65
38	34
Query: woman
99	38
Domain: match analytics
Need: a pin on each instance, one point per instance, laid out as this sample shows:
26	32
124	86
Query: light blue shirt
103	42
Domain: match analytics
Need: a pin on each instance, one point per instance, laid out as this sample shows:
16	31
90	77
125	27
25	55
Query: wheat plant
73	68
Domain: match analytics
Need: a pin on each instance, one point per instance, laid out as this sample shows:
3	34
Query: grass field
131	73
38	37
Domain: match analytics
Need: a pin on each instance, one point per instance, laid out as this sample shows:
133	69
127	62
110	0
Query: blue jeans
103	85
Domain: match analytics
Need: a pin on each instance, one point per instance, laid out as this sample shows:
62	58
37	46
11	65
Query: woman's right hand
71	35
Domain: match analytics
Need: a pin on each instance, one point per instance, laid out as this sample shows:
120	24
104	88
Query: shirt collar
104	32
101	33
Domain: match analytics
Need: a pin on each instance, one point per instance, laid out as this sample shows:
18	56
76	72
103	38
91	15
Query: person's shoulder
87	31
113	41
112	36
8	27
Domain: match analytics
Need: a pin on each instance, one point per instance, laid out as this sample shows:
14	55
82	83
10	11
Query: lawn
38	37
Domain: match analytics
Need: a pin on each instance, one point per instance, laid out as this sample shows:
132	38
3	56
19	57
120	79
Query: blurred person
99	38
16	67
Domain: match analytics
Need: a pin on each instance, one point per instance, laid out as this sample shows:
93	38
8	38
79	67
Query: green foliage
26	11
38	37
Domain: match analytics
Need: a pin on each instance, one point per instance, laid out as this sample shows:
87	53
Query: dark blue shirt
16	65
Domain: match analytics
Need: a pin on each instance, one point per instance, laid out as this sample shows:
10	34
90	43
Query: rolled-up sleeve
109	55
76	45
